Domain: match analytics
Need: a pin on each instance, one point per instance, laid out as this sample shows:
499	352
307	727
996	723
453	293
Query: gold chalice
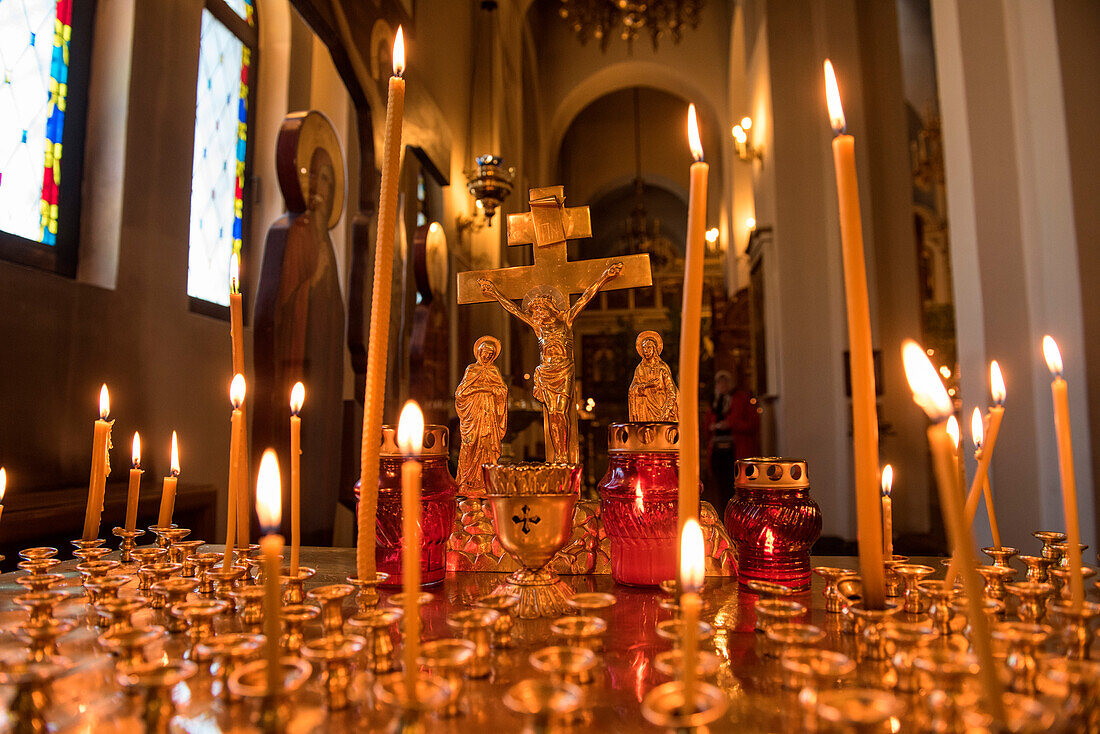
532	509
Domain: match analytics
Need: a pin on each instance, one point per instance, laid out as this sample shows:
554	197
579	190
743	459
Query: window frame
61	257
249	35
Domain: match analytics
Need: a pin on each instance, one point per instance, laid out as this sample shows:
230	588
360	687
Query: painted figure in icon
653	395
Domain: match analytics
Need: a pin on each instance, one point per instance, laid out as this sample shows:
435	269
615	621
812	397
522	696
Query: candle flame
1053	355
3	482
746	122
236	391
928	390
235	273
996	383
399	52
887	480
410	429
832	95
175	455
638	496
297	397
269	493
977	428
693	135
953	431
692	563
739	134
135	451
104	403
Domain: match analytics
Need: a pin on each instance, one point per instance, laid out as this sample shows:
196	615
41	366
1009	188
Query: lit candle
861	361
692	571
135	484
297	398
410	439
954	432
101	467
887	511
930	395
691	328
168	489
237	390
3	487
236	335
269	509
981	454
638	504
378	339
236	320
1059	390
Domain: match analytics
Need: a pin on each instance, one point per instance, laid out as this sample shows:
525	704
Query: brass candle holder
785	636
476	626
366	597
776	611
584	632
768	589
105	588
41	637
814	668
859	710
544	705
870	624
912	574
892	579
250	609
294	586
226	581
1060	575
568	666
673	631
119	611
1048	538
174	536
1077	683
203	563
375	626
1001	556
129	538
154	573
1037	568
330	599
294	618
270	710
163	533
1031	599
411	707
1062	549
92	571
995	579
86	549
32	700
335	652
39	605
225	653
591	603
37	553
1023	715
38	566
185	554
1076	633
665	706
1022	641
830	575
128	646
199	614
447	660
940	608
904	641
670	663
503	605
173	592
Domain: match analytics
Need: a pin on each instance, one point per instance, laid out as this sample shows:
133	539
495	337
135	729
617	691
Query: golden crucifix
544	289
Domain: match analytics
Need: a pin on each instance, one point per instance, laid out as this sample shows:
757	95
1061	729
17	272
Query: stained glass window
218	167
34	62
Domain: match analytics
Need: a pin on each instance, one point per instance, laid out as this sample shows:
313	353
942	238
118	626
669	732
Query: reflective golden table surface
88	699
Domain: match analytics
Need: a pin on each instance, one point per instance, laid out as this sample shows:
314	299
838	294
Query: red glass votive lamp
773	521
639	499
438	492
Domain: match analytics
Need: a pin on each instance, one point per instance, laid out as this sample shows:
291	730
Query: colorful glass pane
34	64
217	171
242	8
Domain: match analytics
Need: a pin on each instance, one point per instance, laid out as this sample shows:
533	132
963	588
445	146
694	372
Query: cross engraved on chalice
533	520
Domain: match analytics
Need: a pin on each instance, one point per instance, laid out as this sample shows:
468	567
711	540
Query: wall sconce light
745	149
475	222
490	183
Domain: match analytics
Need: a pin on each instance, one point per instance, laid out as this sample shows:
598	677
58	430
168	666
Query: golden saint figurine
481	401
549	315
653	395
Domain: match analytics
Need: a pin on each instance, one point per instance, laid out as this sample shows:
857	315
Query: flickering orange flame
237	390
887	480
928	390
694	142
104	403
399	52
269	493
692	563
832	95
1053	355
175	455
410	429
977	428
135	451
996	383
953	431
297	398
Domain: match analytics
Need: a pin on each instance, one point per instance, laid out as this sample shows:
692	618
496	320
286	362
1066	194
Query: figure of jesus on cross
544	288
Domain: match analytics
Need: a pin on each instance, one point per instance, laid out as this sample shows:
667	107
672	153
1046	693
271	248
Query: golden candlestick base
270	712
225	653
1076	633
41	637
128	646
294	618
335	653
163	534
430	695
186	550
152	574
1048	539
367	597
543	704
995	579
904	641
1001	556
476	625
784	636
250	610
893	580
776	611
532	510
912	574
940	607
1037	567
119	611
129	538
199	615
203	563
174	536
330	599
670	663
39	605
814	668
294	586
673	631
86	549
859	709
1023	715
38	566
830	575
375	626
32	699
1060	575
591	603
666	706
768	589
172	593
563	664
586	632
503	605
39	582
226	581
447	660
1031	599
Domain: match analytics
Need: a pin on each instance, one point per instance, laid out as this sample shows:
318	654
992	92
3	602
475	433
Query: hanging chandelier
600	19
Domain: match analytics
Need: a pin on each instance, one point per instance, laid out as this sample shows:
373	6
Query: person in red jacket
733	427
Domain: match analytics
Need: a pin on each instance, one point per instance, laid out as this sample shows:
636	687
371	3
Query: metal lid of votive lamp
438	504
773	521
532	510
639	500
